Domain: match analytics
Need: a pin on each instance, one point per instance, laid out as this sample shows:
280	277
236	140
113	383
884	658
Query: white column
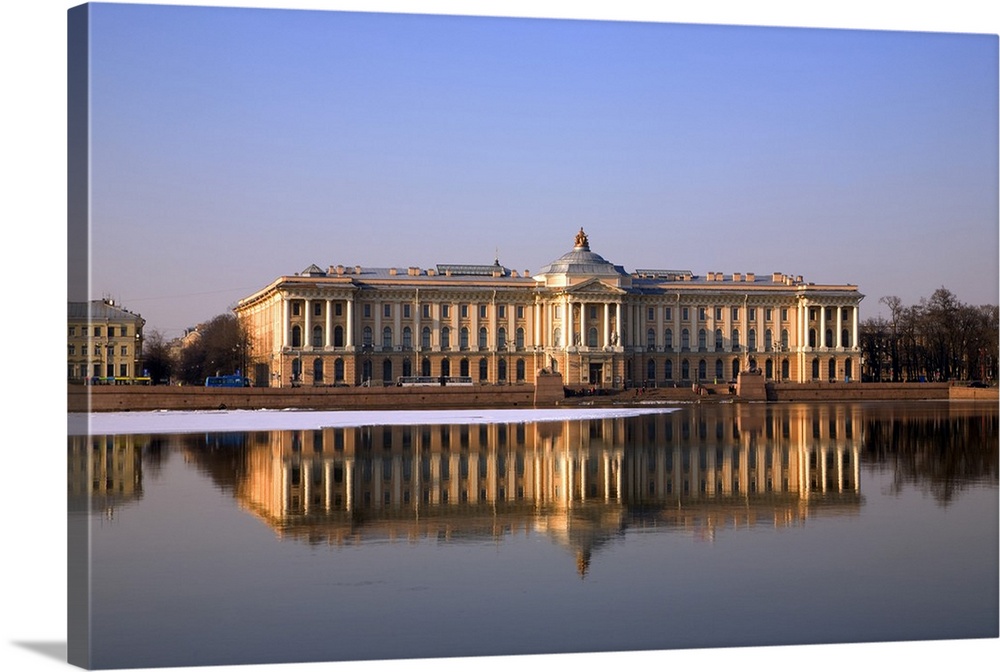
821	336
618	323
537	330
606	340
286	326
350	322
328	334
397	316
659	328
569	323
307	336
840	325
854	342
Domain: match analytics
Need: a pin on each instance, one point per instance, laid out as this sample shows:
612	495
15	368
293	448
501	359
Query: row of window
121	330
81	371
445	337
389	372
719	370
110	349
367	310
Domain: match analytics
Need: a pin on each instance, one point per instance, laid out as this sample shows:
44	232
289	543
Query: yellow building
581	315
104	343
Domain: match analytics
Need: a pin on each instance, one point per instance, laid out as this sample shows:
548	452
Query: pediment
594	287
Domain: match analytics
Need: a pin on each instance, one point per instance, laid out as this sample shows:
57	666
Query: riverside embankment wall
549	392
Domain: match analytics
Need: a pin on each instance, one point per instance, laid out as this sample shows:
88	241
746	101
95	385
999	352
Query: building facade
104	343
581	315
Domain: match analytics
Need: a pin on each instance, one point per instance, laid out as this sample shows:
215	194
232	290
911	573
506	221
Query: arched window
702	369
815	368
685	339
445	367
784	339
829	338
720	371
484	370
366	370
520	369
296	369
736	339
557	337
317	370
848	370
338	336
366	337
501	370
519	338
425	339
387	371
668	339
784	369
651	370
317	337
718	339
735	368
501	338
484	336
463	338
685	370
407	338
425	367
769	369
445	338
650	339
831	369
463	368
752	340
296	336
338	370
768	340
702	340
407	367
386	337
845	339
812	338
668	370
592	337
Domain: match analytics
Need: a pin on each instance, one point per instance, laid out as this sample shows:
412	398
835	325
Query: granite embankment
548	393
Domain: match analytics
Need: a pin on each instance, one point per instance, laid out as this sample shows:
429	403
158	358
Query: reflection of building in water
581	482
104	472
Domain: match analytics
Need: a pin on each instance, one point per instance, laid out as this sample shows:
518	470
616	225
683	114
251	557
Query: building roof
582	261
101	309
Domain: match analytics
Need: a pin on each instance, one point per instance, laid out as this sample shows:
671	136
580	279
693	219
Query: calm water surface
716	525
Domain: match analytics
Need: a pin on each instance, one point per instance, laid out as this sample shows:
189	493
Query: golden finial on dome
581	240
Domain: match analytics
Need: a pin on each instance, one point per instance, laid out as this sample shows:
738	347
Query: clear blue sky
231	146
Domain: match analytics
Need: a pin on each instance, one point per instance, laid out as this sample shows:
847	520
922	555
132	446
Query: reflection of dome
581	261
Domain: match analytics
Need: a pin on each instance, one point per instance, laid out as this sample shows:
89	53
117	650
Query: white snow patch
180	422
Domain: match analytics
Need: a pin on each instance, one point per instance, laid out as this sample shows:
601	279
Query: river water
702	526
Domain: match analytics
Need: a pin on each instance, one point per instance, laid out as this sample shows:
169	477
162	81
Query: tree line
936	339
217	347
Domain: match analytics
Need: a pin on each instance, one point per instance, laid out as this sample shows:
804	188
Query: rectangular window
784	314
557	312
812	314
520	312
83	349
123	370
84	331
124	351
124	331
650	314
111	332
718	313
445	310
752	314
768	314
97	332
702	314
501	312
684	314
425	310
464	310
367	310
338	309
317	308
829	314
387	310
295	308
666	313
482	311
406	310
72	331
736	314
72	349
593	312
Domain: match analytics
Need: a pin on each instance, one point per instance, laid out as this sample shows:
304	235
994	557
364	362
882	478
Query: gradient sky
231	146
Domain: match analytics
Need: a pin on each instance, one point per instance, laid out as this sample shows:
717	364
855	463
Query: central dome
580	261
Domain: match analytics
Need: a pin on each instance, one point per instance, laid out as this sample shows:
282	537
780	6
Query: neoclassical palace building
581	315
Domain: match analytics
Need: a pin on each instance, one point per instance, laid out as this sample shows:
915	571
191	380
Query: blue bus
235	380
